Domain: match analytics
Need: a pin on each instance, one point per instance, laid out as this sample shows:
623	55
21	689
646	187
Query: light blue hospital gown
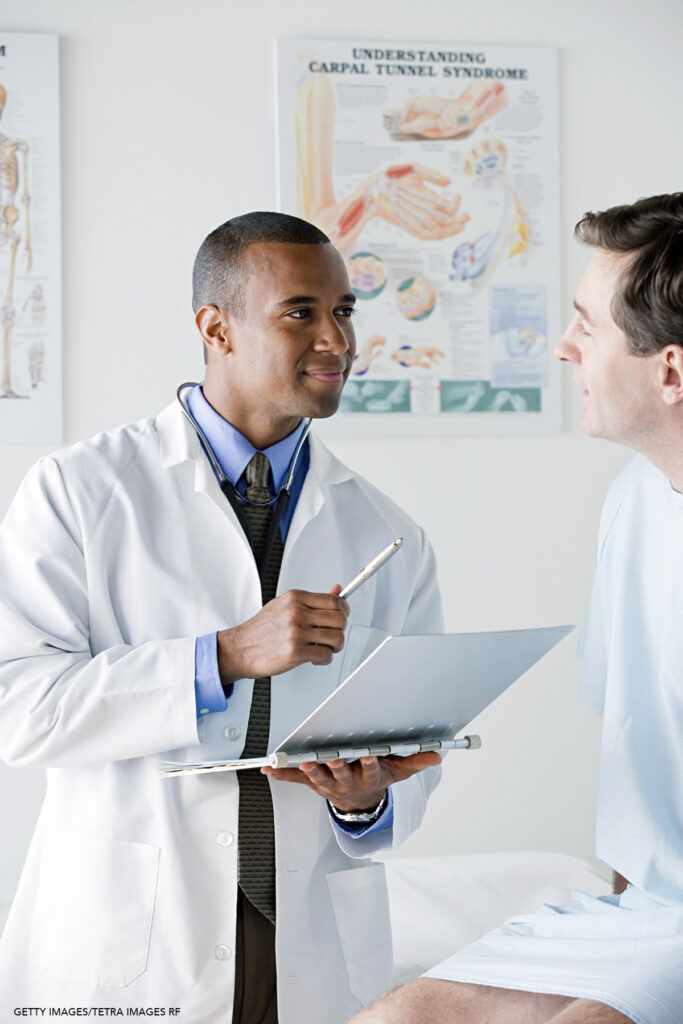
625	951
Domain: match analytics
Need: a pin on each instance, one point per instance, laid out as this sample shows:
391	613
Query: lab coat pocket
93	909
361	910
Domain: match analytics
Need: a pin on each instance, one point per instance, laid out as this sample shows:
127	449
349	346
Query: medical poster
30	245
434	170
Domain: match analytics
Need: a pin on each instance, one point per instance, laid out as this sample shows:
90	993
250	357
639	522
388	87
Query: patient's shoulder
631	494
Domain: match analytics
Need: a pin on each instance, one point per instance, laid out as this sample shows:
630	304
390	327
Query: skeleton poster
434	170
30	246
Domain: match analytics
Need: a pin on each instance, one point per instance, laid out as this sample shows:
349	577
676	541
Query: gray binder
411	693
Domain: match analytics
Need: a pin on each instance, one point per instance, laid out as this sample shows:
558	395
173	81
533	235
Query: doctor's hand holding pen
297	627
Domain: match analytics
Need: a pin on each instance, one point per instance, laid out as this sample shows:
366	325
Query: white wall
167	131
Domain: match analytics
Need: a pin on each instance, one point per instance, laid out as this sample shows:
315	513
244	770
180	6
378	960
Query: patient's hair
648	300
218	273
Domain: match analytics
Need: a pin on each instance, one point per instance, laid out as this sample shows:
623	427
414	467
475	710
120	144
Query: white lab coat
115	554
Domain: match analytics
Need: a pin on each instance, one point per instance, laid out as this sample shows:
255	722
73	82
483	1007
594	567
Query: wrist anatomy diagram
431	242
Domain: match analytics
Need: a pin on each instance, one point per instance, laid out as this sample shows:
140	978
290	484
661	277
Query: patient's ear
671	370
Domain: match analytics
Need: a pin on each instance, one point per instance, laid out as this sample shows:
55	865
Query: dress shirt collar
232	450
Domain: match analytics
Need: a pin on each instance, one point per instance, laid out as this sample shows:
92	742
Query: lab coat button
225	838
233	732
223	952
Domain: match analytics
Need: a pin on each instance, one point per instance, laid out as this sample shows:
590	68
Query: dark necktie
256	850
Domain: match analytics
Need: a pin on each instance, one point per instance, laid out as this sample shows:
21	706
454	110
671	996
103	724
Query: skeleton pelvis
10	215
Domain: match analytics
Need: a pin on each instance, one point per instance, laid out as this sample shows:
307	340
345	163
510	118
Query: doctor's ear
214	329
672	374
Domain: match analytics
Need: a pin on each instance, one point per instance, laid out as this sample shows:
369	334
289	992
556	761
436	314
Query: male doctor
138	617
618	958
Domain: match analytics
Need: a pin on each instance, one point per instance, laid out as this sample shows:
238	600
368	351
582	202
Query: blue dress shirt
234	453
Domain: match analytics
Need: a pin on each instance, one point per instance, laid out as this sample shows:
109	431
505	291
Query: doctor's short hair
218	274
648	300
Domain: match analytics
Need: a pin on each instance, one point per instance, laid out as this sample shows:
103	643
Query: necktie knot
256	475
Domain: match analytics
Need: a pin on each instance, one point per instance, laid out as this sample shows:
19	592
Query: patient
620	957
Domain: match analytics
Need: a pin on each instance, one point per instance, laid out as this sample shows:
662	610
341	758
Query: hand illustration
407	195
440	117
418	355
367	353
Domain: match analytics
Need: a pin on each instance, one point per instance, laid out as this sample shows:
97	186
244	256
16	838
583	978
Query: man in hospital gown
620	957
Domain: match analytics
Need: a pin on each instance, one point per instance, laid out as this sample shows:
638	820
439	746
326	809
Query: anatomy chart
30	246
433	169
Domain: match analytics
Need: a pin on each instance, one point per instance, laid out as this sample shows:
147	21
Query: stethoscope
237	500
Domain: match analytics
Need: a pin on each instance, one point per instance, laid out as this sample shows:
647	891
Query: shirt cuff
385	821
208	688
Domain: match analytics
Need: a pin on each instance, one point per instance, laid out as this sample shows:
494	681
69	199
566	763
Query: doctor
139	616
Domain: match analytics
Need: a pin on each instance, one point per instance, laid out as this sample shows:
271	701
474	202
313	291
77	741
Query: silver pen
372	568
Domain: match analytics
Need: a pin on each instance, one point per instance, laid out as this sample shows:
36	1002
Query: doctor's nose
334	336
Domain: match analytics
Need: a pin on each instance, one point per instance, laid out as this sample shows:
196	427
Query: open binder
411	693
